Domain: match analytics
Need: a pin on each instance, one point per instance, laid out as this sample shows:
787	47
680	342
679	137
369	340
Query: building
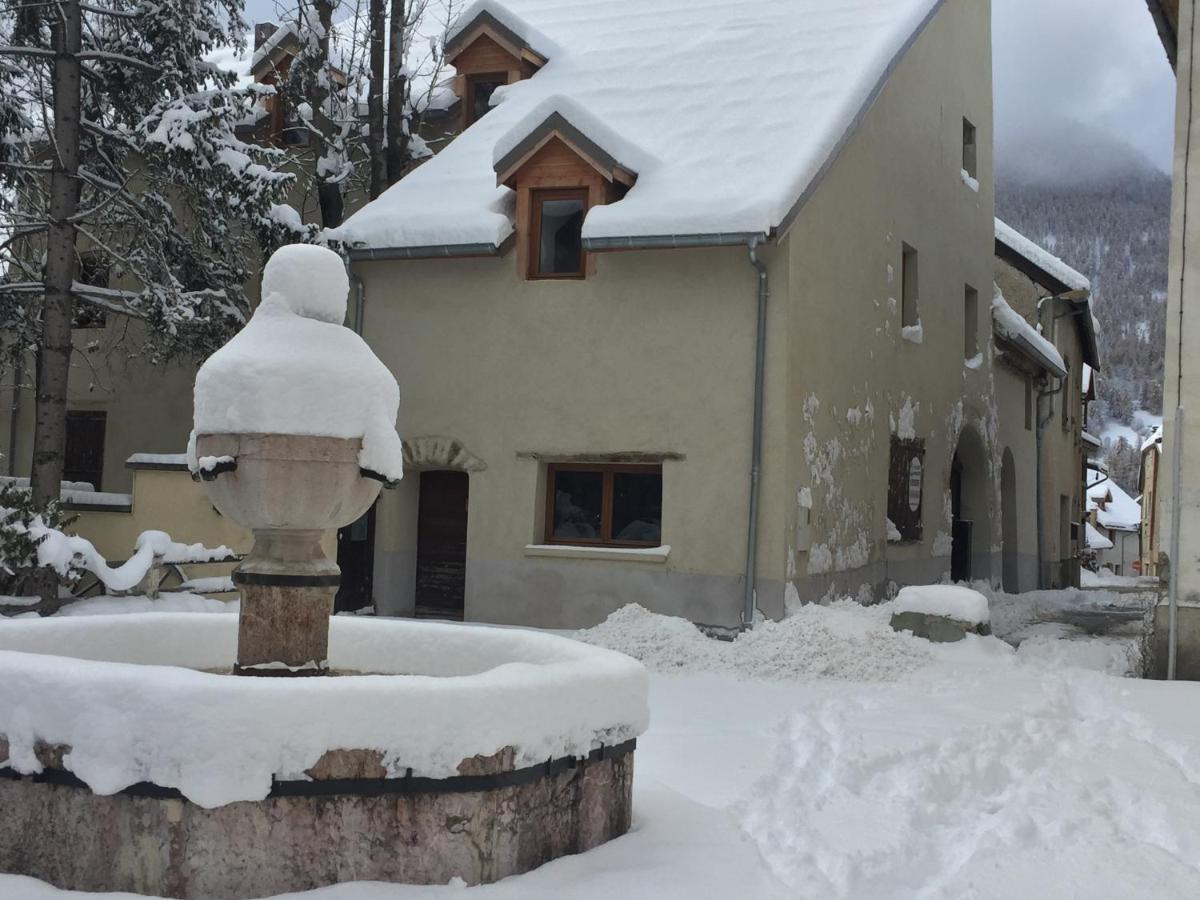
1113	519
1181	424
716	345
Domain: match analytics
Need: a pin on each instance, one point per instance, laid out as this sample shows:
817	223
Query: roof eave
1033	353
1166	20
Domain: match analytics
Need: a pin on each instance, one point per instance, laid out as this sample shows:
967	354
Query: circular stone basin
132	768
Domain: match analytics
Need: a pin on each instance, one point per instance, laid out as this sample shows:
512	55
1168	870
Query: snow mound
310	281
947	600
1035	803
844	641
294	369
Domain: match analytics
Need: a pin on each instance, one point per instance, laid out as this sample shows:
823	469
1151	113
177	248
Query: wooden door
442	545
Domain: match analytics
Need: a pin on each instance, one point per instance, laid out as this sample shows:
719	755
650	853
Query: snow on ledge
948	600
580	551
114	690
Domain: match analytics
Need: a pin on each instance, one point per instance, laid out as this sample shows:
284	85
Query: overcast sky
1098	63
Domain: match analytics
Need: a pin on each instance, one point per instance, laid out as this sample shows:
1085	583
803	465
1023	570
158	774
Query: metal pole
760	355
1173	581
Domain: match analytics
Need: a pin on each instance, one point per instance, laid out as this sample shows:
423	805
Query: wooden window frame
607	470
907	521
536	197
473	81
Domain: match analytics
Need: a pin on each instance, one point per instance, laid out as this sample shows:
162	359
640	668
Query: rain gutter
434	251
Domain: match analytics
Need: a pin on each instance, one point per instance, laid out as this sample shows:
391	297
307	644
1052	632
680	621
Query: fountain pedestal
288	489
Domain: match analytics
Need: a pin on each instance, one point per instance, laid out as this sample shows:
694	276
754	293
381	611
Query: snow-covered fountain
131	760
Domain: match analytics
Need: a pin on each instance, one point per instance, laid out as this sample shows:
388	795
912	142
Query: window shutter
906	486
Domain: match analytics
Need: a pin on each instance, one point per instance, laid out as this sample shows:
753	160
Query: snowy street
827	756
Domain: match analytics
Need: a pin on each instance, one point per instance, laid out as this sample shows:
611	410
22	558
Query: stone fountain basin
129	695
160	777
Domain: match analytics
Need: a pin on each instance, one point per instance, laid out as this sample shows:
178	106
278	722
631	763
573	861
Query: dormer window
479	92
557	233
559	173
485	54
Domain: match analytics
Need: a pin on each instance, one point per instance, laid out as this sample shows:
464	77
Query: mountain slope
1107	216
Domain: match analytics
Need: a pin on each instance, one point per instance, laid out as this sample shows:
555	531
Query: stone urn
294	434
289	490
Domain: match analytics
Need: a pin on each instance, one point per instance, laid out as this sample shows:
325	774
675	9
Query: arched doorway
1008	521
970	554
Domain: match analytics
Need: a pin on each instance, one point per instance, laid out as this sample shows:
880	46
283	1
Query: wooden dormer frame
487	48
557	156
487	24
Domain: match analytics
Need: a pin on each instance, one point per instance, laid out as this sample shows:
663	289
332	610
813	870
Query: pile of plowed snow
843	640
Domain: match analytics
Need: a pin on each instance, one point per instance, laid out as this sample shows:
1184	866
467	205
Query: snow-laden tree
124	187
360	84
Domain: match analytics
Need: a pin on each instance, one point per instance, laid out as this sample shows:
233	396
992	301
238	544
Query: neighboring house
1152	529
589	296
1115	518
1181	369
1049	293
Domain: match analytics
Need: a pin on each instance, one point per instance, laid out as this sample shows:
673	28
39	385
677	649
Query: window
971	323
479	94
84	455
1028	405
970	155
618	505
906	484
557	233
908	284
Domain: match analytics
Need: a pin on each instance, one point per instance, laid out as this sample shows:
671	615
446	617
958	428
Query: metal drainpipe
760	355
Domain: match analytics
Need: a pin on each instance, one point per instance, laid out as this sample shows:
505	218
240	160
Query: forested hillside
1106	212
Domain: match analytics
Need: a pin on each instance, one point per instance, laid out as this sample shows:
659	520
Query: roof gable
556	127
485	31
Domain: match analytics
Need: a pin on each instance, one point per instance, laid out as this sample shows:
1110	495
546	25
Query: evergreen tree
119	149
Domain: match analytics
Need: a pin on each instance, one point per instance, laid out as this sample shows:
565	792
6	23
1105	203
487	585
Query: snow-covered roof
727	112
1010	325
1091	439
1049	264
1155	437
1094	540
1120	512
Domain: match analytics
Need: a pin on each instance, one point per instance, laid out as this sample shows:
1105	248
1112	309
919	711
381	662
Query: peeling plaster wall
856	378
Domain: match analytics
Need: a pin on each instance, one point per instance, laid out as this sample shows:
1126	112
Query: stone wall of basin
489	823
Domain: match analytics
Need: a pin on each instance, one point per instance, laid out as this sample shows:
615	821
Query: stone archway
1011	568
440	453
971	538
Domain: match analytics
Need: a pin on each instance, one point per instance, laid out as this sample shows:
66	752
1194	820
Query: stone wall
74	839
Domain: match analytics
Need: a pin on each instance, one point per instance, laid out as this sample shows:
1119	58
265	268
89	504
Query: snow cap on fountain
310	281
295	369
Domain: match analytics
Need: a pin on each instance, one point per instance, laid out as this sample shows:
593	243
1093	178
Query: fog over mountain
1104	208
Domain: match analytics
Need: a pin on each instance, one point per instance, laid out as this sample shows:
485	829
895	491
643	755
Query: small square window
479	95
970	154
909	314
617	505
970	323
557	233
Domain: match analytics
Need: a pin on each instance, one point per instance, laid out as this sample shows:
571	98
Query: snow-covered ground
827	756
